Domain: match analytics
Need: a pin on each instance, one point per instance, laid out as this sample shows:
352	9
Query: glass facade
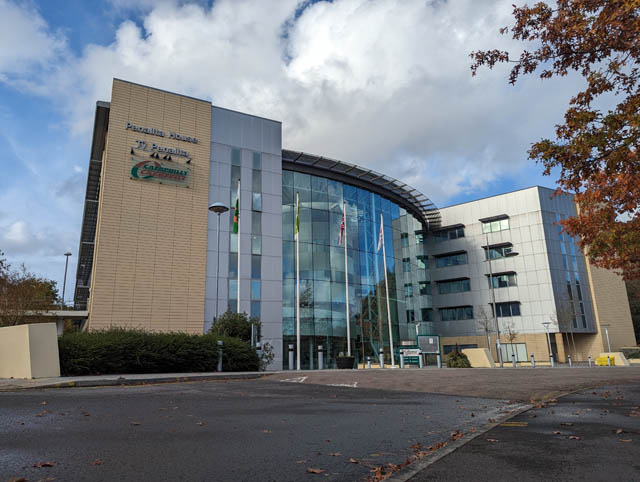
322	270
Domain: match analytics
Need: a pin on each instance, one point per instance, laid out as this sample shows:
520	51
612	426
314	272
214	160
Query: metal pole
606	330
569	358
513	360
238	302
215	315
368	362
64	283
608	360
533	361
291	357
550	350
386	287
381	357
320	358
493	303
589	361
220	345
439	359
401	359
346	277
297	283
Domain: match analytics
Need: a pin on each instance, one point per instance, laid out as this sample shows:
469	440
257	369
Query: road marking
349	385
295	380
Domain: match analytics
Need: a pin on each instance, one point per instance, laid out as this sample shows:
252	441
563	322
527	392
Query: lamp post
217	208
606	331
64	283
546	326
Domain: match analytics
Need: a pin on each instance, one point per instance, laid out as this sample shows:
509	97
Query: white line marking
295	380
349	385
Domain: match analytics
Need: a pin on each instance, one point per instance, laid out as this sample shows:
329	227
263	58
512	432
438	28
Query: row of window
495	226
458	313
456	232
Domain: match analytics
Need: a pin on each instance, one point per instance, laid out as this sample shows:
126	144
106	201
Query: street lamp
64	283
218	208
546	326
606	331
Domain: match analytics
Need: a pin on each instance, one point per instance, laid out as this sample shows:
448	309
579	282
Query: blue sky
384	84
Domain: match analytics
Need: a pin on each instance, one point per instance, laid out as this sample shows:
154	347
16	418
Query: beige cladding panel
150	252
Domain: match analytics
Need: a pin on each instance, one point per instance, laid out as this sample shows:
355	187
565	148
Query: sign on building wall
161	171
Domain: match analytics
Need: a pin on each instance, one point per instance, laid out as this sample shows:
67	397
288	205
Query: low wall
479	357
29	351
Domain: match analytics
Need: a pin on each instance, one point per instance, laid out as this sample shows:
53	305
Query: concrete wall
151	238
29	351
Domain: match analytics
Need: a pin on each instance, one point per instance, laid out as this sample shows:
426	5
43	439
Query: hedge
122	351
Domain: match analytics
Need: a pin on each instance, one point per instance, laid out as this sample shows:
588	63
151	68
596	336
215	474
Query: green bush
236	325
122	351
457	359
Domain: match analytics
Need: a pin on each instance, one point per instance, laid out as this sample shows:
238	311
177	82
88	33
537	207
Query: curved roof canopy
402	194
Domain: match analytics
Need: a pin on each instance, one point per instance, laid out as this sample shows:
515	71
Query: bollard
569	358
320	358
589	361
439	358
401	360
533	361
381	357
553	362
513	360
290	357
420	361
220	344
608	360
368	362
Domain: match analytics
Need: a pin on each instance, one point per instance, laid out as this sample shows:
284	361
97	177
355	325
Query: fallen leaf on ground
97	462
44	464
625	440
514	424
352	460
17	479
85	414
200	423
556	433
43	403
575	437
456	435
311	470
492	440
619	431
135	423
634	413
266	430
566	424
334	454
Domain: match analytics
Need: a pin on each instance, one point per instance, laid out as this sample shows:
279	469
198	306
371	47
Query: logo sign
160	133
411	352
161	171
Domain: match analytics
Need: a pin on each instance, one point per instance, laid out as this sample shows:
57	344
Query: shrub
236	325
457	359
122	351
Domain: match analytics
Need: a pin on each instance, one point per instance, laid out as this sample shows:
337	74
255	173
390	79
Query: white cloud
378	83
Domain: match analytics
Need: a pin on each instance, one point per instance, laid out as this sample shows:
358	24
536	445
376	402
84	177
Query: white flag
380	240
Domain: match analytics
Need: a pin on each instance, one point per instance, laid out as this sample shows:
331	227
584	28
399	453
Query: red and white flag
380	240
340	234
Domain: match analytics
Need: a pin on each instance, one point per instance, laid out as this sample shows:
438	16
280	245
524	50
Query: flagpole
297	223
346	276
386	287
238	306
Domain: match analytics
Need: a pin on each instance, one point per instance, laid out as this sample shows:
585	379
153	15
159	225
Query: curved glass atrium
322	270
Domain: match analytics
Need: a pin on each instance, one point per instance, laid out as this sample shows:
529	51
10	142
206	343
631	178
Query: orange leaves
311	470
39	465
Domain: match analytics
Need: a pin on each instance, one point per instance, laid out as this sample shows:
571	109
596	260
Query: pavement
593	435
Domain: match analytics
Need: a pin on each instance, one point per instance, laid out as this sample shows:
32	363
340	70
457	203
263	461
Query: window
411	316
255	309
454	286
257	160
450	233
256	201
456	313
233	265
498	251
511	308
256	266
427	314
256	222
452	259
235	177
420	237
425	287
256	244
404	238
256	180
408	289
255	289
235	157
495	225
422	261
406	265
502	280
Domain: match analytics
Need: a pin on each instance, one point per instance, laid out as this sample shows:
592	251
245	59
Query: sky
384	84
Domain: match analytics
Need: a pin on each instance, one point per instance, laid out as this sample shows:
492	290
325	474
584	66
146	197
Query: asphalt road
257	430
589	436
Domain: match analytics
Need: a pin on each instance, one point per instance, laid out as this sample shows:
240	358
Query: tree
485	323
235	325
510	329
24	295
596	150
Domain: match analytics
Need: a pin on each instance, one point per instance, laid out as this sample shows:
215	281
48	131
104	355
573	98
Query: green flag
236	216
297	227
